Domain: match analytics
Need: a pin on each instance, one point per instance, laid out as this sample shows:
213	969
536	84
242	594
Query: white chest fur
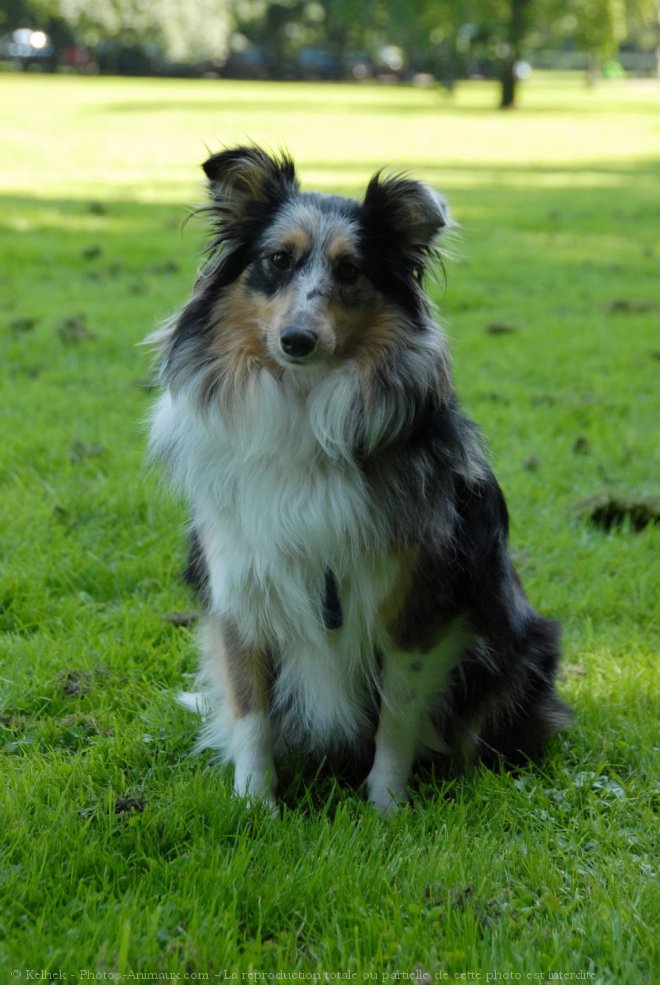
278	502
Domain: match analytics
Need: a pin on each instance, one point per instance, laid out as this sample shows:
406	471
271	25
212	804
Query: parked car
27	46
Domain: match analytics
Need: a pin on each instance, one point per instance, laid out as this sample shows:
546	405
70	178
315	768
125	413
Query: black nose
297	342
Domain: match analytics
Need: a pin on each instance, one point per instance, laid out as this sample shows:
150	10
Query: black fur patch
196	572
398	229
331	606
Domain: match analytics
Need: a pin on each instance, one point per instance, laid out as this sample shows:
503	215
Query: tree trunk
593	70
508	85
516	35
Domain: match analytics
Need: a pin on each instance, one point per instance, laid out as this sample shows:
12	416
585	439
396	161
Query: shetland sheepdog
349	540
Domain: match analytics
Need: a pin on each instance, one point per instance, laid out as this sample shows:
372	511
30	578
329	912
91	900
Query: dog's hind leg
516	731
240	726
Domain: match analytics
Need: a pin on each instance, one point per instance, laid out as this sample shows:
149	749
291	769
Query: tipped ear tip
438	208
234	162
209	168
419	213
217	163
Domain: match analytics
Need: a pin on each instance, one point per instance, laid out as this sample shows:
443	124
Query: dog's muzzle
297	343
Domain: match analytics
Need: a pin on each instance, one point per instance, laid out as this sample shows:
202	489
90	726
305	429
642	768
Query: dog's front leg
397	736
254	770
244	671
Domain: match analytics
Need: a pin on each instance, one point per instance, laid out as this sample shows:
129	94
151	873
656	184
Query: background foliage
449	38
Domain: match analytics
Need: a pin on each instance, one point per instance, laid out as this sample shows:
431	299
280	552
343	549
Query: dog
349	540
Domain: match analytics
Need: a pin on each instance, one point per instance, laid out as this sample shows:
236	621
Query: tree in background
600	26
517	19
13	14
448	39
178	31
506	28
278	29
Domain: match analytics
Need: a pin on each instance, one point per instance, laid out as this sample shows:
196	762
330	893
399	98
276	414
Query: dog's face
305	292
299	284
310	280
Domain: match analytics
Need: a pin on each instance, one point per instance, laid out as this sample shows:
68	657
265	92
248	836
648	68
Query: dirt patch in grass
498	328
181	618
131	803
608	511
74	329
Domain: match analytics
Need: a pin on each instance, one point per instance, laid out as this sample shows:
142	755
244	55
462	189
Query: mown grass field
120	854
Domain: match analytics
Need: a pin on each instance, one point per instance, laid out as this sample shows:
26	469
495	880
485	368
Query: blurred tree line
445	39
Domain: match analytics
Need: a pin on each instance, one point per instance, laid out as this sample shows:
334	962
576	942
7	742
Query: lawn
122	856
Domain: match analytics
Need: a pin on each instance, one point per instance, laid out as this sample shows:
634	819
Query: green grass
121	853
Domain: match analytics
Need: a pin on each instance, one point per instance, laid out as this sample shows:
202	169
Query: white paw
257	787
387	794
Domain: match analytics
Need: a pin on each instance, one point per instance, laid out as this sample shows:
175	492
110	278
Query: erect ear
411	210
245	176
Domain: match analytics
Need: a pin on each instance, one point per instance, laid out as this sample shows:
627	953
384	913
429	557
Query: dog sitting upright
348	537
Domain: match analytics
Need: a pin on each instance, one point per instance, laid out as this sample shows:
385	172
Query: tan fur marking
298	240
393	603
245	670
250	179
379	338
340	246
366	334
369	338
238	343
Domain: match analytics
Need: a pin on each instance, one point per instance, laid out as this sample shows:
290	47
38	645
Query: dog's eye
281	259
347	272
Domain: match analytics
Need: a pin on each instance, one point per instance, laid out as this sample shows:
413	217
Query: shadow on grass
591	184
648	168
330	101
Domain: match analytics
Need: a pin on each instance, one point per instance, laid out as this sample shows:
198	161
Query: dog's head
304	280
